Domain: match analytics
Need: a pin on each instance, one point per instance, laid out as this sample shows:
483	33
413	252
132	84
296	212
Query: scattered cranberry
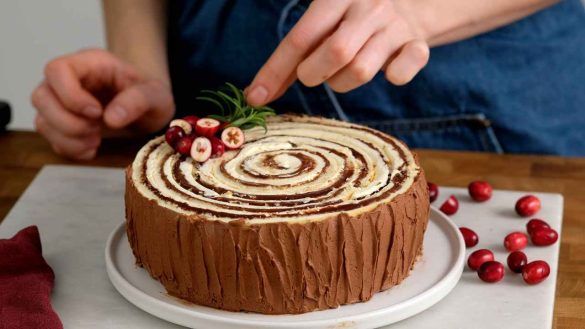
183	146
206	127
535	272
535	224
201	149
217	147
491	271
450	206
187	128
516	261
544	237
173	135
192	120
527	205
515	241
433	191
232	137
480	191
470	237
479	257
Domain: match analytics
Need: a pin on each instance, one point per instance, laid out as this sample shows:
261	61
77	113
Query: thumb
148	105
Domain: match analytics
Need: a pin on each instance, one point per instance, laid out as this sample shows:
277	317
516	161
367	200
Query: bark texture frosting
312	215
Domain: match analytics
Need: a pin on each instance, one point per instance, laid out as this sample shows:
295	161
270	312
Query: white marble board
76	208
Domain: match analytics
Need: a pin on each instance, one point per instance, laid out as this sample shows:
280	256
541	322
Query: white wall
32	32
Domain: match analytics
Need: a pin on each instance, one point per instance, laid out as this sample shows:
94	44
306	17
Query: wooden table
22	154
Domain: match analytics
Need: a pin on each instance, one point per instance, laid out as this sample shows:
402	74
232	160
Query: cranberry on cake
308	214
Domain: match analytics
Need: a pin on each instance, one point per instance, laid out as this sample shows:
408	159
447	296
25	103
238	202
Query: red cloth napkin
26	281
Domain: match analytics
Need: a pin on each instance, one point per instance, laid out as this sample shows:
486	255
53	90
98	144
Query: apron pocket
470	132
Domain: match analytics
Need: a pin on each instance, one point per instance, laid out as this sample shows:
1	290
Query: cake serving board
76	208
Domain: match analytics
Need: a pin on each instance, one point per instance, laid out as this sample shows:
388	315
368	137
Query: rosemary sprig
234	108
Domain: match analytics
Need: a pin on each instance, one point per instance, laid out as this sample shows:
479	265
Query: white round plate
432	278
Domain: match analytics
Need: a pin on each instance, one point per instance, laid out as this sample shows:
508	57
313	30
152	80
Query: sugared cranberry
433	191
491	271
479	257
516	261
470	237
450	206
192	120
527	205
480	191
184	145
217	147
515	241
535	272
535	224
544	237
173	135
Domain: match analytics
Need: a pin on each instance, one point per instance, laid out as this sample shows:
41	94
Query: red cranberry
544	237
173	135
491	271
527	205
450	206
479	257
516	261
201	149
535	272
535	224
184	145
470	237
433	191
480	191
515	241
233	137
207	127
192	120
217	147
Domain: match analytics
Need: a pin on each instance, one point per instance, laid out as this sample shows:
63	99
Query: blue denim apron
517	89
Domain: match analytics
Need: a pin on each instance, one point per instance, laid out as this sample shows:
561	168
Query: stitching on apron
335	103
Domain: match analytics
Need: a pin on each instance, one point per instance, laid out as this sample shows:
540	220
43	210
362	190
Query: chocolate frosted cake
311	214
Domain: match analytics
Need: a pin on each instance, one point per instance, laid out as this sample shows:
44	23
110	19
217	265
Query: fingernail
257	95
92	112
118	114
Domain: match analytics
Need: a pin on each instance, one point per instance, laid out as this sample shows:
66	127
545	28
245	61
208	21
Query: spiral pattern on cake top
302	168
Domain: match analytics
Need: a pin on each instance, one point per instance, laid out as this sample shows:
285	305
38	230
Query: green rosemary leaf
211	100
234	109
237	92
218	117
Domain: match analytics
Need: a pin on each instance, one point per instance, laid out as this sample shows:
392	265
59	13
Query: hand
85	91
344	43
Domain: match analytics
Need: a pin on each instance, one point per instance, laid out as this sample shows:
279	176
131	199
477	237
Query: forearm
136	32
441	22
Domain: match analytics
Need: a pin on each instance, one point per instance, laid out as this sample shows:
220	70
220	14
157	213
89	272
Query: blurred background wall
32	32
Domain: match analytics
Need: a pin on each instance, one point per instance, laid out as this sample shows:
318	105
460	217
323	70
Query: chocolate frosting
278	267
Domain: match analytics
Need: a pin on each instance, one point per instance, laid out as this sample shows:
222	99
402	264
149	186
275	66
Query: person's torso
516	89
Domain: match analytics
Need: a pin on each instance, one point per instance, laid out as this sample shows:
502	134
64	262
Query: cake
308	215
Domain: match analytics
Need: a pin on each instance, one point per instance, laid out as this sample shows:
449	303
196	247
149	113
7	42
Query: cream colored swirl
302	168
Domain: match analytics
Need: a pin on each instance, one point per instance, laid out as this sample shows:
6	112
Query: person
504	76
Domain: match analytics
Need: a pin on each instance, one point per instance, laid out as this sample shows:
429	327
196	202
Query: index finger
275	75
